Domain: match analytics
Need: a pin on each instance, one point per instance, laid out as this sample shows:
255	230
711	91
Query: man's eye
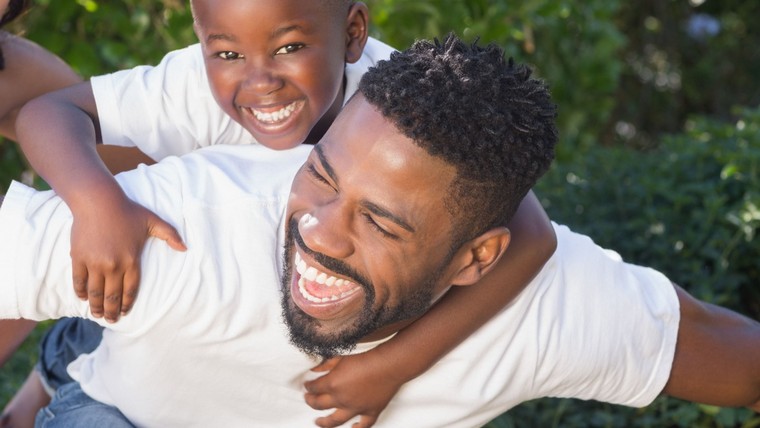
376	227
317	176
293	47
229	55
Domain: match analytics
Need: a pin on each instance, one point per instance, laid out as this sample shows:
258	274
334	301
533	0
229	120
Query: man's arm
717	359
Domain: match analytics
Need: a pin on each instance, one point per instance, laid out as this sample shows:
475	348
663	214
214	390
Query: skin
18	85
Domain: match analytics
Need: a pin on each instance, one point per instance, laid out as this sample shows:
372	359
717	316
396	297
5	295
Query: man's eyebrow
371	206
382	212
325	163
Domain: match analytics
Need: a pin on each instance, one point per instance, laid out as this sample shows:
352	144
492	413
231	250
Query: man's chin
309	335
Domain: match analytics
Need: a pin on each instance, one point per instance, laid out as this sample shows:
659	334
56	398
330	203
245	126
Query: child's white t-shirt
168	109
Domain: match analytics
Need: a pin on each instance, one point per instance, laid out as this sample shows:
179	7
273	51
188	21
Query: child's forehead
328	7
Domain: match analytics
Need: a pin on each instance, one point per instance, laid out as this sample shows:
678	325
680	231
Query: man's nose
326	230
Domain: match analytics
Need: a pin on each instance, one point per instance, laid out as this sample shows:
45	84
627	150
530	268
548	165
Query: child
278	83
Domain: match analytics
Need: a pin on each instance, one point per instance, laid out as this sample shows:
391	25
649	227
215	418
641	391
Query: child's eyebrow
220	36
284	30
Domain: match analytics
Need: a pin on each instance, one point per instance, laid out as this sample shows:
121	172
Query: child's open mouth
276	116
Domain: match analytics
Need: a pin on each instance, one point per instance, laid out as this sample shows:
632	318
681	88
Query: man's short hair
486	116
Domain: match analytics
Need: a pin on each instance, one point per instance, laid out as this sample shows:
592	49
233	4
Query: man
401	200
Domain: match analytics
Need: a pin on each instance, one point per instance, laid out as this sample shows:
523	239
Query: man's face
274	66
3	6
369	237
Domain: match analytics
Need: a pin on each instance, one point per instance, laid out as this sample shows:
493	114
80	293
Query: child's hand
345	389
106	245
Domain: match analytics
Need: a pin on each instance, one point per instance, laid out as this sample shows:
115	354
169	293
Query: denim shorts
62	344
69	405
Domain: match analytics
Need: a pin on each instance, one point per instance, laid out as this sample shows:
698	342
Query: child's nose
263	80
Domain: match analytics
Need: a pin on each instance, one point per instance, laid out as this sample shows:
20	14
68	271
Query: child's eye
373	225
293	47
229	55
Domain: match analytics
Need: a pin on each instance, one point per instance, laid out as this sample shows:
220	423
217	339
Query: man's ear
478	256
357	31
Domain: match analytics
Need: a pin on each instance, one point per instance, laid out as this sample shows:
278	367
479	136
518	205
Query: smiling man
402	199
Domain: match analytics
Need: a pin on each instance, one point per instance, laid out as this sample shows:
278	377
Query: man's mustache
335	265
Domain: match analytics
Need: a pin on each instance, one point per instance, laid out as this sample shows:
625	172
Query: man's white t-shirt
205	344
168	109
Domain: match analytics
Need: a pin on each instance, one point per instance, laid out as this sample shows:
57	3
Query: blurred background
659	121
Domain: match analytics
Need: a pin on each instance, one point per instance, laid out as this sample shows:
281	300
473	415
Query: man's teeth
275	116
311	273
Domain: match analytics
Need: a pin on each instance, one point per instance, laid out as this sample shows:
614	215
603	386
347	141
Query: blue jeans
62	344
70	406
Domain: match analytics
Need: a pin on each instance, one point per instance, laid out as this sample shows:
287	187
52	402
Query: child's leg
62	344
21	410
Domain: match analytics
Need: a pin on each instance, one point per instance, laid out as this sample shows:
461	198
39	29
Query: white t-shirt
205	344
169	109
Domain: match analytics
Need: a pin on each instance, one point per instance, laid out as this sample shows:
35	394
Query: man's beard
305	331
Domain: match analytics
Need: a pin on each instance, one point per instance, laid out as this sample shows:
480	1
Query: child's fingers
79	279
327	365
112	297
365	422
320	401
337	418
131	287
95	290
164	231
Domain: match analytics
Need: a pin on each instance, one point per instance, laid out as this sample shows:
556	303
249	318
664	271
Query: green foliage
97	37
691	209
573	45
682	74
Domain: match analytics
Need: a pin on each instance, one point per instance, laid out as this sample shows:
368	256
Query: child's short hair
485	116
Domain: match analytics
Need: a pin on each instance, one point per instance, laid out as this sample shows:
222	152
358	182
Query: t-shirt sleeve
607	329
164	110
35	265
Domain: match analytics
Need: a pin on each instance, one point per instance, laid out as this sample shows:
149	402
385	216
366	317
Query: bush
690	209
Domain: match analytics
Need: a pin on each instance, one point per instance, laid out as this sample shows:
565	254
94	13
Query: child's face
276	66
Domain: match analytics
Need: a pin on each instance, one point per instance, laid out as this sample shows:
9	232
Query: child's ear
478	256
357	31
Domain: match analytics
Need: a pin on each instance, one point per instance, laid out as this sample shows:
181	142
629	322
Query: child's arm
390	365
58	132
